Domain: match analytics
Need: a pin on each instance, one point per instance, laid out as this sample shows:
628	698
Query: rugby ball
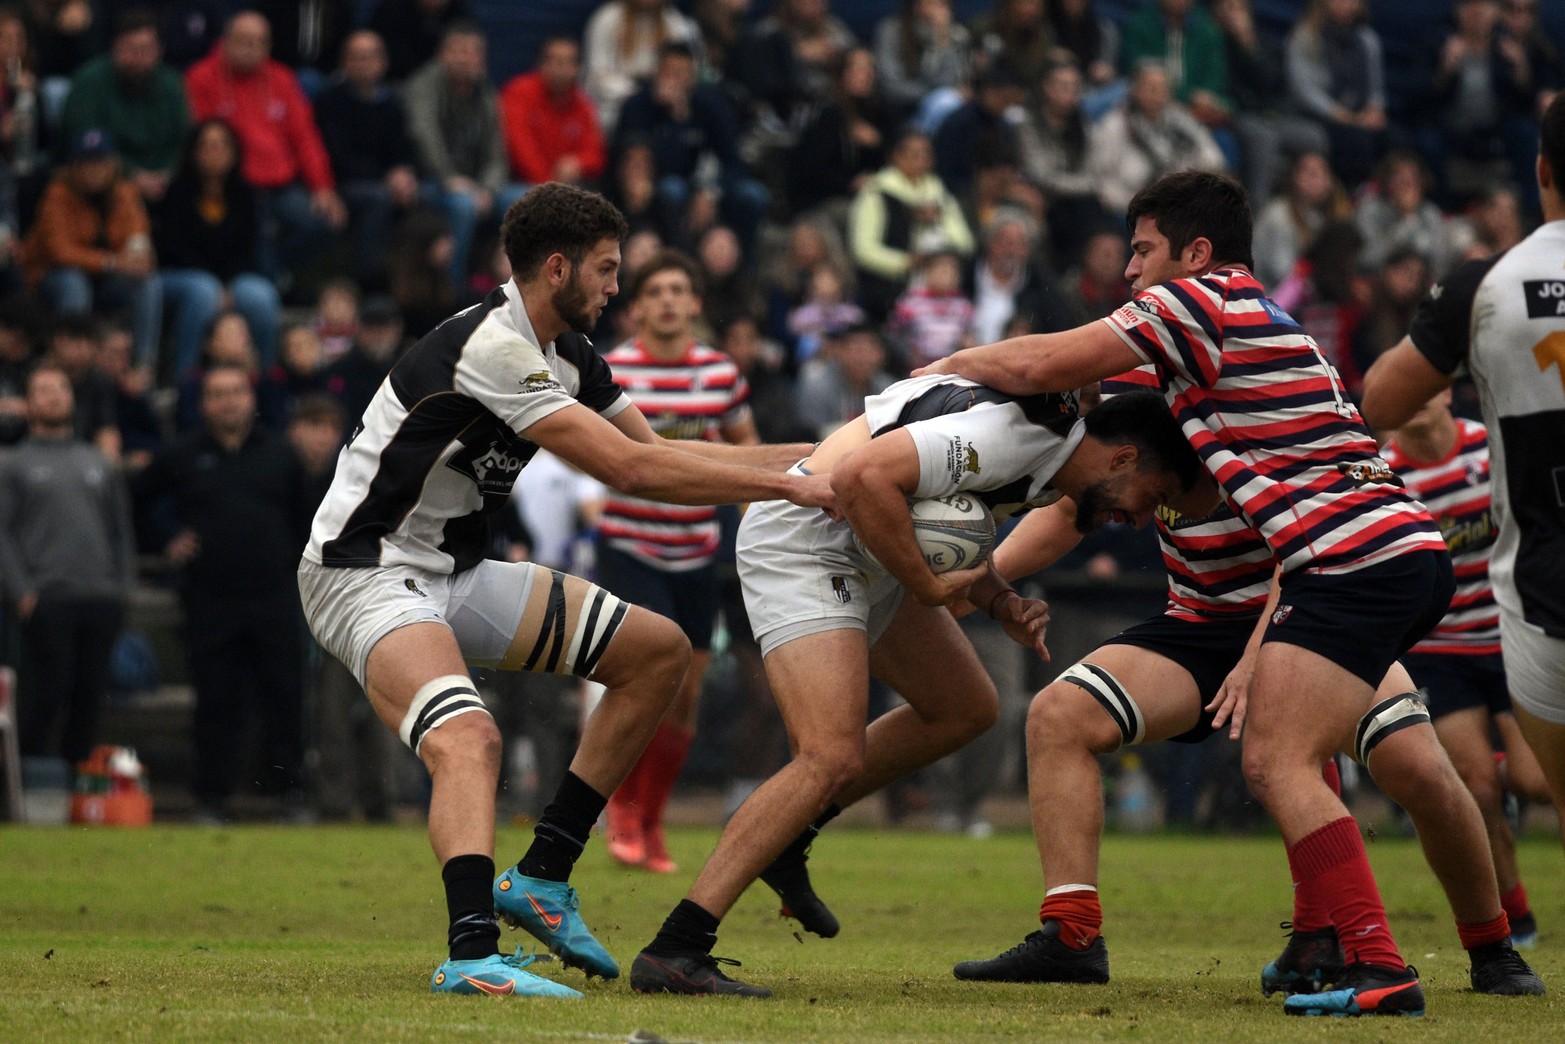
955	532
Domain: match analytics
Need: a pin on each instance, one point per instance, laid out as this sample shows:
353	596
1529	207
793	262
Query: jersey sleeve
1442	326
599	391
1177	328
982	448
511	377
738	409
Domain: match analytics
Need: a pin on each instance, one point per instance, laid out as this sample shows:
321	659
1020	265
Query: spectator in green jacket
1185	39
131	90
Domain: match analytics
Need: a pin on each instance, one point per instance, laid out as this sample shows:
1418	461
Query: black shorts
1452	682
1208	650
689	598
1363	620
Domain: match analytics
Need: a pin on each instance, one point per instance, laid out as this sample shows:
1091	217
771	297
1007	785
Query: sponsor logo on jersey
412	585
839	587
493	465
961	458
1545	298
1128	316
1368	471
543	380
972	460
1281	615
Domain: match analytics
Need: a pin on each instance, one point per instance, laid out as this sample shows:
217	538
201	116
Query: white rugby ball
954	532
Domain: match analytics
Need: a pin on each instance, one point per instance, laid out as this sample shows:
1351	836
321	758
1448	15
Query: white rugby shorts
803	574
1534	668
349	610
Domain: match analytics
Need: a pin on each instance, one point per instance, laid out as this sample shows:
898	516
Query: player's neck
1087	461
1427	445
665	348
546	321
1553	206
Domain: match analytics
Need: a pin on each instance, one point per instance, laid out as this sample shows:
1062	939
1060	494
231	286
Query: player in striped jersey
1444	462
663	556
395	584
1364	573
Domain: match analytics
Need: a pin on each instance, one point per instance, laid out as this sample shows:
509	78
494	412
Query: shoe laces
1023	946
1507	961
520	960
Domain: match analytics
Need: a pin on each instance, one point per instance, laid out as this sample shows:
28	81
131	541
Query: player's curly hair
557	219
1143	419
1197	204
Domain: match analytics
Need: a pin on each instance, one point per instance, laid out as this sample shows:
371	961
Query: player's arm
1436	345
1397	386
1056	362
653	469
1040	539
873	484
772	456
1233	695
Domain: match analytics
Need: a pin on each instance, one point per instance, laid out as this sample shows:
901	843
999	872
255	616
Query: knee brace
1112	695
1384	718
435	704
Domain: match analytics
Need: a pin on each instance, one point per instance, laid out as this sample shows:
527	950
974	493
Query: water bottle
1135	797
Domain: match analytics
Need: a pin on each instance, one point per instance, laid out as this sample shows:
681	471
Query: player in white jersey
394	582
1503	319
1444	461
826	601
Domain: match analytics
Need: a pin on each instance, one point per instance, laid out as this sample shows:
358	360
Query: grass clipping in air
331	933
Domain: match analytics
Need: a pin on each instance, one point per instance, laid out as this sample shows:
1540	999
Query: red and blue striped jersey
1456	491
692	397
1218	565
1270	419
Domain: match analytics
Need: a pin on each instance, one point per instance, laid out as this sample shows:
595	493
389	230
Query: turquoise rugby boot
497	976
547	911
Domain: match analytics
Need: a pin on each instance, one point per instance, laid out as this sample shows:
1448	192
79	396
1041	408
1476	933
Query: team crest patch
839	587
1281	615
412	585
543	380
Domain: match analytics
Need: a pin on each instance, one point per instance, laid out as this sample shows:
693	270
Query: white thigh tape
437	703
1112	695
1386	717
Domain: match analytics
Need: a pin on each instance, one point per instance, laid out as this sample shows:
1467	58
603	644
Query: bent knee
648	645
832	767
1065	715
466	737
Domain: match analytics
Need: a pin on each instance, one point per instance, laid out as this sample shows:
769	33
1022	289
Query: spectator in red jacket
284	157
551	126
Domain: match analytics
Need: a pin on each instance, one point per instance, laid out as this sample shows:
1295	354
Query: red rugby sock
1485	932
1330	866
1079	914
1515	902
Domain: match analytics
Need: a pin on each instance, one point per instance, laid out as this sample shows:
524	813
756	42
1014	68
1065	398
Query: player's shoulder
1471	432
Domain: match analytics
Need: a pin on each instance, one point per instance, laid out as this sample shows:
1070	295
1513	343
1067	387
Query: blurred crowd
220	225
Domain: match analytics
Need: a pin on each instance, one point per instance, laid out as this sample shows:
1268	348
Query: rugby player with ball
826	598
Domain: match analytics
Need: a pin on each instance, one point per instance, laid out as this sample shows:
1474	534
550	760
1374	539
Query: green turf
262	934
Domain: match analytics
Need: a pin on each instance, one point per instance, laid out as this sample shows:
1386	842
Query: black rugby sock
688	927
474	933
562	831
789	864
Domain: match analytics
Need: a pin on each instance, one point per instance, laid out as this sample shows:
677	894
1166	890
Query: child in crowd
337	318
825	309
932	319
300	371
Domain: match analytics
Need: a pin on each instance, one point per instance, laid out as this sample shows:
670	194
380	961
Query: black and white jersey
1504	318
440	445
1003	449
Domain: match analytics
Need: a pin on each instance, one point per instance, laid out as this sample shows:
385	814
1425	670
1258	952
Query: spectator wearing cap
209	242
550	125
365	128
131	90
690	126
413	31
284	158
90	246
355	376
454	118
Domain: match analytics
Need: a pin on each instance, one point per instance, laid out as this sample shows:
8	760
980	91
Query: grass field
305	934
